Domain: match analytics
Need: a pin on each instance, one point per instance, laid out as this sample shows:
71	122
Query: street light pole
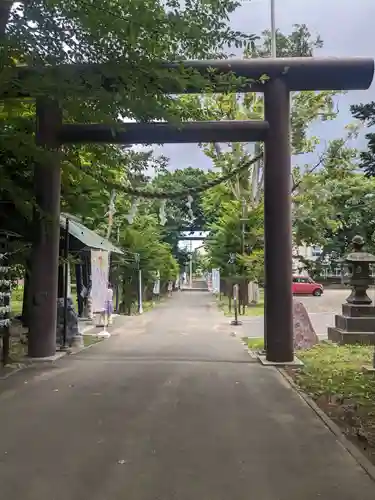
273	30
191	266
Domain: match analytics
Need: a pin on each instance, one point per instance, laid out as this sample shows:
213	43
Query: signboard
99	279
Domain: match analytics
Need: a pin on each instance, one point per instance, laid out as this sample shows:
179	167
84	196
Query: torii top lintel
299	73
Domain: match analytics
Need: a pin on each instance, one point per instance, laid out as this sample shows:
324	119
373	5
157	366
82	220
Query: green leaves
223	205
366	114
333	204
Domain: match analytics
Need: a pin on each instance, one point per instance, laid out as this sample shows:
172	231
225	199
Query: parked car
303	285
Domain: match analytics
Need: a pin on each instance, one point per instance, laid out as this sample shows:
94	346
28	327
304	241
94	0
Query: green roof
86	236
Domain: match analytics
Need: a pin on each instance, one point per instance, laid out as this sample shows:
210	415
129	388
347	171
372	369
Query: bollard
235	322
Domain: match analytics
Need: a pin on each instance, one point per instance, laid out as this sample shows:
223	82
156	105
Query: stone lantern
358	263
356	324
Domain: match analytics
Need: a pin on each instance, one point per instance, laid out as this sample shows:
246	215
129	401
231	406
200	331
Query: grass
333	377
254	310
90	340
336	371
255	343
16	300
148	305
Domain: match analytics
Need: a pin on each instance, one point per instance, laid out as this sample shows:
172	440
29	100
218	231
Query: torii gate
282	77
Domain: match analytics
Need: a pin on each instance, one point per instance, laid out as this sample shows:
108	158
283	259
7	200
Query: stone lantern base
356	325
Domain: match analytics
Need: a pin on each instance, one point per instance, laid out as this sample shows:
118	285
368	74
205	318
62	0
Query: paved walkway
172	408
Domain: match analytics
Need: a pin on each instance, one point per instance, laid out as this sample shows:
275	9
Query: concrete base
358	311
103	334
369	369
342	337
355	324
236	323
77	342
296	362
63	348
48	359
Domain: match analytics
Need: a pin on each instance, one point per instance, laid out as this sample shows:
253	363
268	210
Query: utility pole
117	279
243	230
274	55
191	265
273	29
140	286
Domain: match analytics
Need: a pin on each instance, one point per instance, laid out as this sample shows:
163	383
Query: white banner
253	292
99	279
69	281
216	281
209	281
156	290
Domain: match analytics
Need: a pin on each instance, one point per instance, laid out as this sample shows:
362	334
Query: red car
303	285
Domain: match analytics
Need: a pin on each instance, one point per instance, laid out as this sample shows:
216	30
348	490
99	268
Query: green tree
50	32
144	237
299	43
332	206
177	214
43	33
366	114
334	201
245	191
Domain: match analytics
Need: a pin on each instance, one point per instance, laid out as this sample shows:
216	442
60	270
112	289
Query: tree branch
321	160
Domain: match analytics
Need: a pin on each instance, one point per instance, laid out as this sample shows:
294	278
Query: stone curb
85	347
13	372
366	465
59	355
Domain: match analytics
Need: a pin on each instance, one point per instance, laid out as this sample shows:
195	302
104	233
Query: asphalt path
170	408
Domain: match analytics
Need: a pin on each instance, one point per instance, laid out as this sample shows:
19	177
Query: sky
346	28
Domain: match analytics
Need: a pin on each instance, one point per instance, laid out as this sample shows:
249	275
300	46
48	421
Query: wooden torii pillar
276	78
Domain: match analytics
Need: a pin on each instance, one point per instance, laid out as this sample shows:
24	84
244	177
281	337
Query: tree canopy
366	114
52	32
131	38
235	210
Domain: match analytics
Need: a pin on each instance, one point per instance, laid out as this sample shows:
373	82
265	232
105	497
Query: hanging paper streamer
188	204
189	201
133	211
110	213
5	290
162	216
